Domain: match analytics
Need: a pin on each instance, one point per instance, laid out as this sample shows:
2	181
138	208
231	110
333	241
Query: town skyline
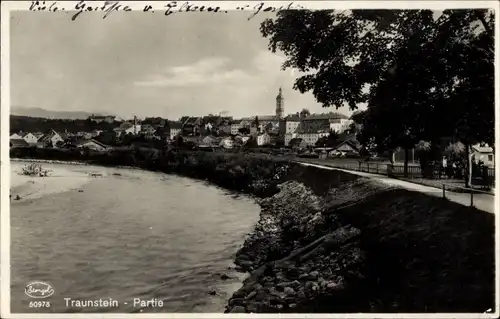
238	76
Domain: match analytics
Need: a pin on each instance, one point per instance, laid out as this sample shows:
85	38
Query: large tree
416	69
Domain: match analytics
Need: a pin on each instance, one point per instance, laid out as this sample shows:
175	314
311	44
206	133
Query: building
263	139
96	133
312	137
18	143
102	118
30	138
85	135
280	105
208	141
235	127
264	120
128	128
340	125
227	143
175	129
347	147
289	124
289	137
483	154
326	121
16	136
147	129
92	145
50	139
192	126
38	135
297	143
155	121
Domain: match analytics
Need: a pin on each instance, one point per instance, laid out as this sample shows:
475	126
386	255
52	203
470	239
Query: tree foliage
304	112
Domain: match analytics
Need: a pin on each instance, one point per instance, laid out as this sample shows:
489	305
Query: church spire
280	104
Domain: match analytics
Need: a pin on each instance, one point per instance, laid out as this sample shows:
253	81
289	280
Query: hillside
49	114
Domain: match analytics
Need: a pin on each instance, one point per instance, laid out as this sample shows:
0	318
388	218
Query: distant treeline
37	124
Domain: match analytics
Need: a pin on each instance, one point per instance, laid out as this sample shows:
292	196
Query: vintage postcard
268	159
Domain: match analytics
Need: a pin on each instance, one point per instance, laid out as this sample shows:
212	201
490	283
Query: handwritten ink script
172	7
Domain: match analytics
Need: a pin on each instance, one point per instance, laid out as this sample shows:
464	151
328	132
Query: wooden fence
397	170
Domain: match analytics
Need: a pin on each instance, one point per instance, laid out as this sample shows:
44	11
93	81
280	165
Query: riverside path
484	202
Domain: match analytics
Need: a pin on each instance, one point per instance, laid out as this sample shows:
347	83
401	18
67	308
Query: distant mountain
48	114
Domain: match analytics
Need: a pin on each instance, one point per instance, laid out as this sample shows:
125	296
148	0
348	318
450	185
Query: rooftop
18	142
326	116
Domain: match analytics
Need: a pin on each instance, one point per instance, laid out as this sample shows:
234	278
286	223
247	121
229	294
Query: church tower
280	107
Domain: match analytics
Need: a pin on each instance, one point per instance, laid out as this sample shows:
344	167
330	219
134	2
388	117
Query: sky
147	64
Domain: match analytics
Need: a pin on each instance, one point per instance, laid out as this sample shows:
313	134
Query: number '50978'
39	304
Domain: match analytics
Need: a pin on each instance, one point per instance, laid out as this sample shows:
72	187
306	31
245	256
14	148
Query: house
254	130
297	144
225	128
18	143
28	137
263	139
208	141
226	143
127	128
340	125
263	119
289	124
222	124
95	133
16	136
235	127
483	153
102	118
38	135
175	129
244	139
85	135
347	147
155	121
289	137
147	129
192	126
50	139
92	144
312	137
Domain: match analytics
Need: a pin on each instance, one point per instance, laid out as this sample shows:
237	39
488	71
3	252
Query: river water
138	235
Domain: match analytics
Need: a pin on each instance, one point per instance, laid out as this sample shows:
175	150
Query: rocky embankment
299	251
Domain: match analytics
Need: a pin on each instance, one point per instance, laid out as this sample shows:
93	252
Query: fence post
471	198
444	191
377	167
359	164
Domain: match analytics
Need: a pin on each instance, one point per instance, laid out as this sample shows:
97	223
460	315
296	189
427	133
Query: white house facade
263	139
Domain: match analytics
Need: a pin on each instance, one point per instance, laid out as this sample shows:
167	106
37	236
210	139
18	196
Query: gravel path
482	202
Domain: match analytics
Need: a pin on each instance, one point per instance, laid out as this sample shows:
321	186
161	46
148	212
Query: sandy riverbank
62	178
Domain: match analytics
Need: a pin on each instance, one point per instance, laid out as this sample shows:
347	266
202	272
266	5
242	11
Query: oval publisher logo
38	290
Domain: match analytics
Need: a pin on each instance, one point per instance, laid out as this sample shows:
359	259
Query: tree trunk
468	166
406	162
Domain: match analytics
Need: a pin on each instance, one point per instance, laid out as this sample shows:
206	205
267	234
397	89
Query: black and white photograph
249	157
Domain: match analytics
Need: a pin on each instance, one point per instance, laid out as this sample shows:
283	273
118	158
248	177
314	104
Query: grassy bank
329	241
366	248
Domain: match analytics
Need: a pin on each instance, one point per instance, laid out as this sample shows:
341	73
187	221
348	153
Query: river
128	234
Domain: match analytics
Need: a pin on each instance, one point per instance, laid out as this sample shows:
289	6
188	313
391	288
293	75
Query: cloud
204	72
